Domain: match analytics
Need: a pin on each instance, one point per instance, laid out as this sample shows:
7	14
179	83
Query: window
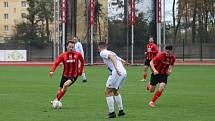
15	21
14	10
23	4
23	15
6	28
5	4
6	38
6	16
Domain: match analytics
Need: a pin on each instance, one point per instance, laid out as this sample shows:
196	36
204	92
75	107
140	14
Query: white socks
84	76
119	101
110	102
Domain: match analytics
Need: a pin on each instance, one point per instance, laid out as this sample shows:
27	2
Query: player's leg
58	91
163	81
110	102
151	86
145	72
118	99
84	76
65	87
145	68
157	94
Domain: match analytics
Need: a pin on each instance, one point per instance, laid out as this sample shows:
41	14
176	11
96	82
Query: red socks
60	95
156	96
144	76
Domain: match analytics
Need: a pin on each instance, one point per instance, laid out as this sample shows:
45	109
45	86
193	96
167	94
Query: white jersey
104	54
78	48
114	80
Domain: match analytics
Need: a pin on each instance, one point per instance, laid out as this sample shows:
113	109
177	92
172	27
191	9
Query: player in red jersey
152	51
70	60
161	67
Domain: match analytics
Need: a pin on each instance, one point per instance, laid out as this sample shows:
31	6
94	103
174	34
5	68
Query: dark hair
168	47
70	41
102	44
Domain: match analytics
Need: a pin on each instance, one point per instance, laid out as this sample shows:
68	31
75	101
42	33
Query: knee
160	89
152	90
65	87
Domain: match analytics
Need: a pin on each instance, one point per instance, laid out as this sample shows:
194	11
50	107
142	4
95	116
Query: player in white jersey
115	80
78	48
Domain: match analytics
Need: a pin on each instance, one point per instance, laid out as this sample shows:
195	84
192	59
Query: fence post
201	50
183	49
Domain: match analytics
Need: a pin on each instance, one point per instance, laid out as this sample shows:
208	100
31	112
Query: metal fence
119	38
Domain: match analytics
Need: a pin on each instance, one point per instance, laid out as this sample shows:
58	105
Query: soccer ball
56	104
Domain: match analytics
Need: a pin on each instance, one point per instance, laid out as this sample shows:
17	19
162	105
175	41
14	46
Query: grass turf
25	94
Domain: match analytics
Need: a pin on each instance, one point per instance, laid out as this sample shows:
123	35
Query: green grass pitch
26	92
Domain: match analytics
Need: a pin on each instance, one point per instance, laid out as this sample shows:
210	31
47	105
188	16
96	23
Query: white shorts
116	81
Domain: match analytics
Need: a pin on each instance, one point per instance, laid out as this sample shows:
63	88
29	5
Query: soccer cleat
143	80
148	86
53	101
151	104
121	113
111	115
84	81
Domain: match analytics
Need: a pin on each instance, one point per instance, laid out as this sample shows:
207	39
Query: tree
40	14
97	13
181	7
45	13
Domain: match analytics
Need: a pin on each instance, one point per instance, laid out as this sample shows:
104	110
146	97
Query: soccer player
152	51
70	60
115	80
161	67
78	48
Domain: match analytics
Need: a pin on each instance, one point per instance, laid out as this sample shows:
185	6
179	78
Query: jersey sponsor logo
167	62
70	61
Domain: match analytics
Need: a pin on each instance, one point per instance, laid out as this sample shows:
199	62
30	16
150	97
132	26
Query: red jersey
71	63
162	62
152	50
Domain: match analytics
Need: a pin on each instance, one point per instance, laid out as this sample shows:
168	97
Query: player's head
75	39
102	46
151	40
168	49
70	45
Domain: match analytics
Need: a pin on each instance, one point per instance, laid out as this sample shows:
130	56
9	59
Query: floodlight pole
132	44
132	21
64	24
92	7
158	19
58	20
164	26
54	53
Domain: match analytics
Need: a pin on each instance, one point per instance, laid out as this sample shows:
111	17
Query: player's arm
81	50
113	60
81	68
155	49
169	70
153	65
171	65
56	63
123	62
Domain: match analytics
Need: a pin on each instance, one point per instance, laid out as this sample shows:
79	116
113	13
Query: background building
12	12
